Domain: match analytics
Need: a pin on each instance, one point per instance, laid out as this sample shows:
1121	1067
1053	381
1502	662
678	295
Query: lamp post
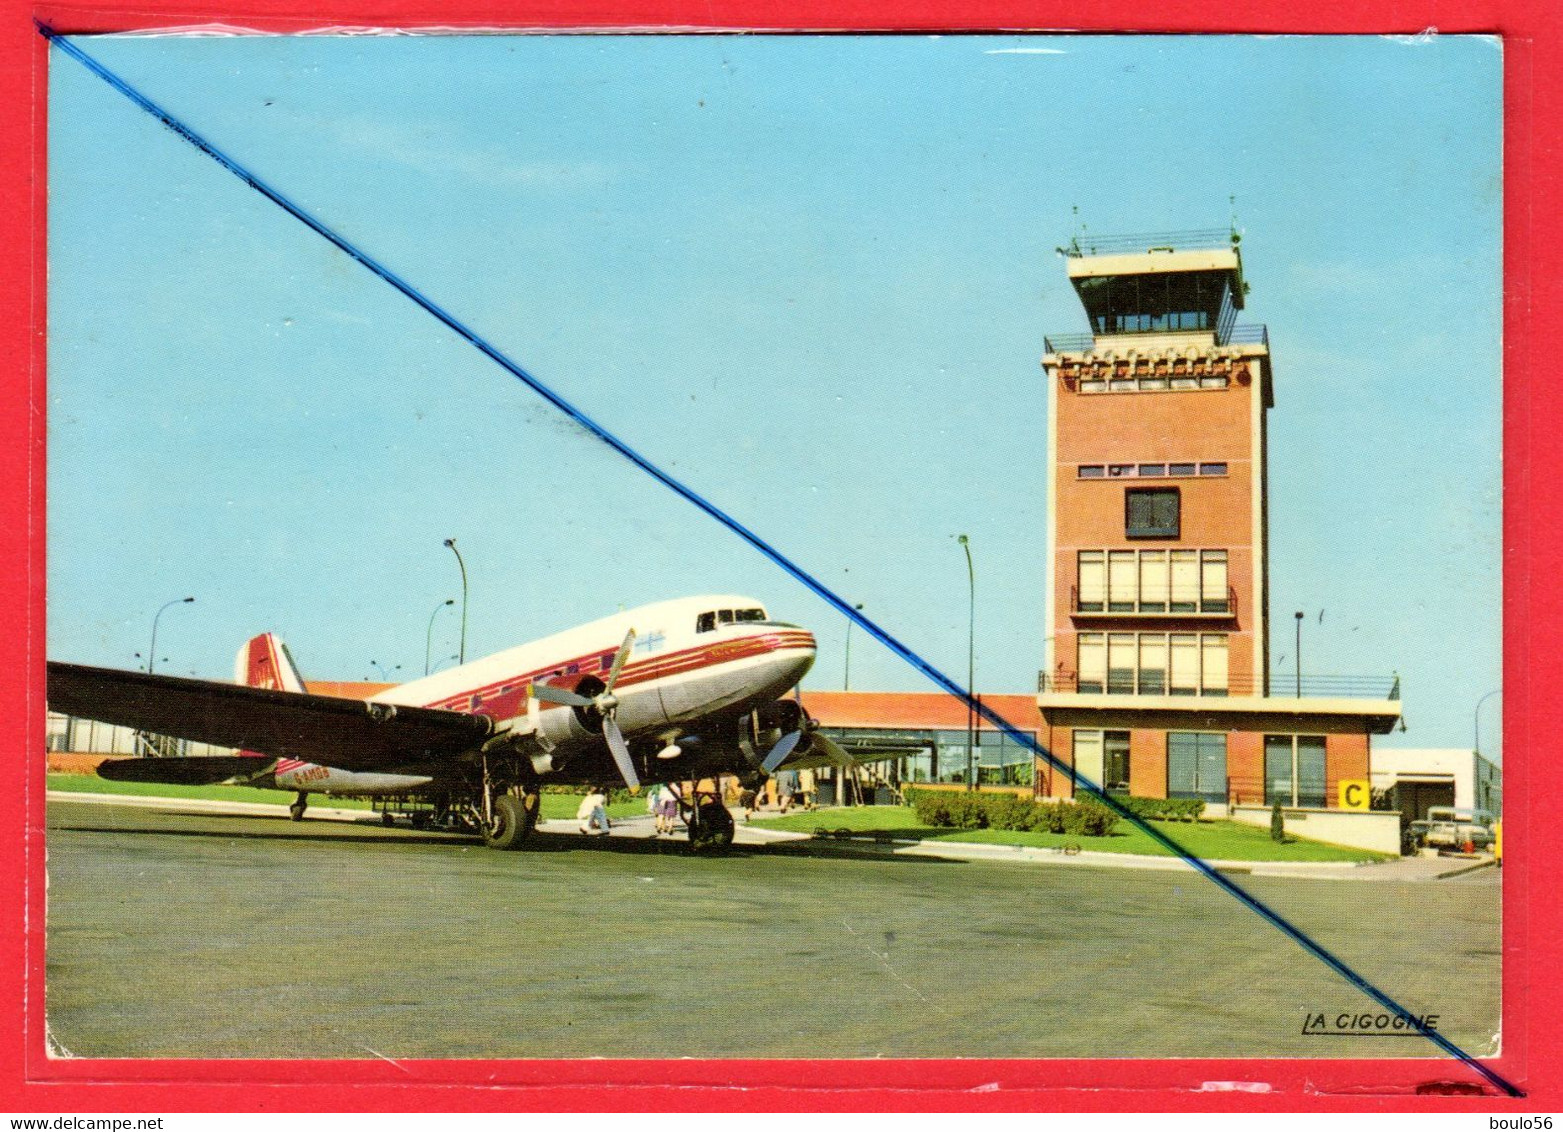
846	678
1297	649
1476	740
428	638
385	677
152	655
462	655
971	662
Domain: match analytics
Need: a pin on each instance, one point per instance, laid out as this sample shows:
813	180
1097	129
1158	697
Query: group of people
662	803
792	788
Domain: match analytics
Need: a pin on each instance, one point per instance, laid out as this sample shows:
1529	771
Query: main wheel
514	819
713	828
296	811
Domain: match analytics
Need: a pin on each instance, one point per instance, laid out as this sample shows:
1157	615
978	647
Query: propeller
784	747
606	704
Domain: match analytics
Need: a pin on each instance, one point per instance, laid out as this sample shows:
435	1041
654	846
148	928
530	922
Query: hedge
1162	809
957	810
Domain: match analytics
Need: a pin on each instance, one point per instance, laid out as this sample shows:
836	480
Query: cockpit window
705	623
749	615
725	616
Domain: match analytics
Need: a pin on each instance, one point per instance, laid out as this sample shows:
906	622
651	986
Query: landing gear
712	827
513	819
296	807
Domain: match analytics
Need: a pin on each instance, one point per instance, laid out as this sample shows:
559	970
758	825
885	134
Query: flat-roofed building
1156	679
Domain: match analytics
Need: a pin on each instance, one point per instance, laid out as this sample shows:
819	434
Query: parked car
1446	827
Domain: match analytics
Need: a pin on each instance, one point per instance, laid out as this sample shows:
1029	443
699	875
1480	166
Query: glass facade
1197	765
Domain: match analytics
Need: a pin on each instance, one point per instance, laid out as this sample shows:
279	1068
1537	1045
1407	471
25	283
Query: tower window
1151	512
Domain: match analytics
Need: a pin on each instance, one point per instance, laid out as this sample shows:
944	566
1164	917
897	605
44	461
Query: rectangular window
1093	385
1153	381
1151	512
1183	653
705	623
1214	381
1153	469
1088	755
1213	582
1310	771
1153	581
1294	770
1153	664
1115	762
1212	469
1120	664
1091	660
1093	581
1185	581
1120	581
1119	470
1196	765
1213	664
1278	770
1092	471
1180	469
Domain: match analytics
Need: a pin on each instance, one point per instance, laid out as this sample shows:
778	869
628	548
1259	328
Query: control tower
1156	680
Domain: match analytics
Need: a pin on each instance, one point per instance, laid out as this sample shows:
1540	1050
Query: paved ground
203	934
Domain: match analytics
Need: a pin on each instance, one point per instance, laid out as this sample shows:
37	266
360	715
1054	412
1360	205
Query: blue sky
810	277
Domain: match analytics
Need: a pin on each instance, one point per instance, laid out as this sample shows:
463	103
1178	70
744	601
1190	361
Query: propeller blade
831	750
619	658
784	747
620	751
554	695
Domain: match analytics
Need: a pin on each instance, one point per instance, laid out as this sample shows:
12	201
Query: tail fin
264	662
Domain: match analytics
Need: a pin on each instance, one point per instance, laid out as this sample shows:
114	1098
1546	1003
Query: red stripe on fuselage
502	704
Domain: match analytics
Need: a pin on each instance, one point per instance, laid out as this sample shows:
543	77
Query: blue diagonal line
1020	737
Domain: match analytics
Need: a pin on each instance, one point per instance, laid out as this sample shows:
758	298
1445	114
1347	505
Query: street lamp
846	679
1476	742
462	655
1298	650
152	655
971	661
428	638
385	676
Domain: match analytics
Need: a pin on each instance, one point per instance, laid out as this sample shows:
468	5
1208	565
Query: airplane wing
343	733
817	751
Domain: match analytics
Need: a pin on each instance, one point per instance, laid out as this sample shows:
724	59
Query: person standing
593	813
786	789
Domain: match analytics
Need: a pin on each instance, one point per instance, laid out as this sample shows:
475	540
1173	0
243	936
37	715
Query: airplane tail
264	662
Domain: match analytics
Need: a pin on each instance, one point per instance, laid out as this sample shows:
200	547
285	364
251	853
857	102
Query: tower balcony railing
1187	240
1178	604
1255	334
1154	682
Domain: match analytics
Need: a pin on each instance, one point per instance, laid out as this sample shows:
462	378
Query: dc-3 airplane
677	691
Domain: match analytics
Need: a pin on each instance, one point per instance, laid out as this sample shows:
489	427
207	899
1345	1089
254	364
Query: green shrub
1162	809
948	809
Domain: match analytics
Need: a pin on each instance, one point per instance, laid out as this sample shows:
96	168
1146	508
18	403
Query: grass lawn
1212	840
554	805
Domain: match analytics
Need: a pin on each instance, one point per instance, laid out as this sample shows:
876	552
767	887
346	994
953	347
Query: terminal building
1157	679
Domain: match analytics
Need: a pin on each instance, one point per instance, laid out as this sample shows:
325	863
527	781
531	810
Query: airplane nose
794	648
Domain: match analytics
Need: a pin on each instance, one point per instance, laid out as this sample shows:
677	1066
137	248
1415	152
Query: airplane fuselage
698	662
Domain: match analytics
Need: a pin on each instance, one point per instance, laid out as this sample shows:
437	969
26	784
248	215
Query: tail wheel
515	816
713	828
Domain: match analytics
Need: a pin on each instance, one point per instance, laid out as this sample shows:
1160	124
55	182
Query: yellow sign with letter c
1355	794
